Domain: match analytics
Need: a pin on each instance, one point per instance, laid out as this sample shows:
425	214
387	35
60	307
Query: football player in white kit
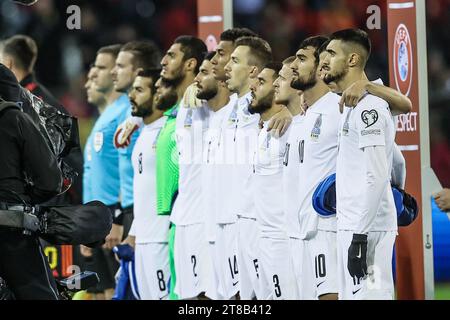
149	231
317	147
217	99
237	228
293	99
188	213
225	262
193	260
367	222
276	277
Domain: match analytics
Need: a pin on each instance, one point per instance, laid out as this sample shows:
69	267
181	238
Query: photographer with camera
20	53
30	175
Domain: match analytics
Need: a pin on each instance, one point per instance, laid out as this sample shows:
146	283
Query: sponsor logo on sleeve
370	118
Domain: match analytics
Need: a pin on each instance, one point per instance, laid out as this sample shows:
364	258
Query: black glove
357	256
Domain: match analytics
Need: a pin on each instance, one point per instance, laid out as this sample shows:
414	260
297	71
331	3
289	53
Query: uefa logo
403	60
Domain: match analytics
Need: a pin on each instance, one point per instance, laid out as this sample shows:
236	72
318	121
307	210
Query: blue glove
125	252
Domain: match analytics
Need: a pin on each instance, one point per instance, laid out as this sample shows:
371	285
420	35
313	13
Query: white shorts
248	258
212	286
379	284
191	260
295	257
319	271
277	279
226	260
152	270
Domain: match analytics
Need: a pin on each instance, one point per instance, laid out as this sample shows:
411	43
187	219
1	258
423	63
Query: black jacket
29	170
75	157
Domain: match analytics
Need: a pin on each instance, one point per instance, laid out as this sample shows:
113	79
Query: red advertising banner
403	68
210	21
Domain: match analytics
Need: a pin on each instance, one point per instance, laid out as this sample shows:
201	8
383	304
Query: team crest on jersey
315	132
346	127
403	60
98	141
233	116
188	119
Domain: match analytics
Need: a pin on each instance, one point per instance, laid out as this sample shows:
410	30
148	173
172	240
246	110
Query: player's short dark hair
153	74
275	66
192	48
235	33
323	47
354	36
315	42
112	49
260	51
209	55
289	60
146	54
23	50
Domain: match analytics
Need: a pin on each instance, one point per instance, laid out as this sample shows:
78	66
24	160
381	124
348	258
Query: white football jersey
369	124
318	149
267	183
291	180
211	163
191	125
148	226
236	149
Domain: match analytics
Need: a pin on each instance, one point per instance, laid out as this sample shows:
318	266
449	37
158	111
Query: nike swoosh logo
359	254
235	283
320	284
354	292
